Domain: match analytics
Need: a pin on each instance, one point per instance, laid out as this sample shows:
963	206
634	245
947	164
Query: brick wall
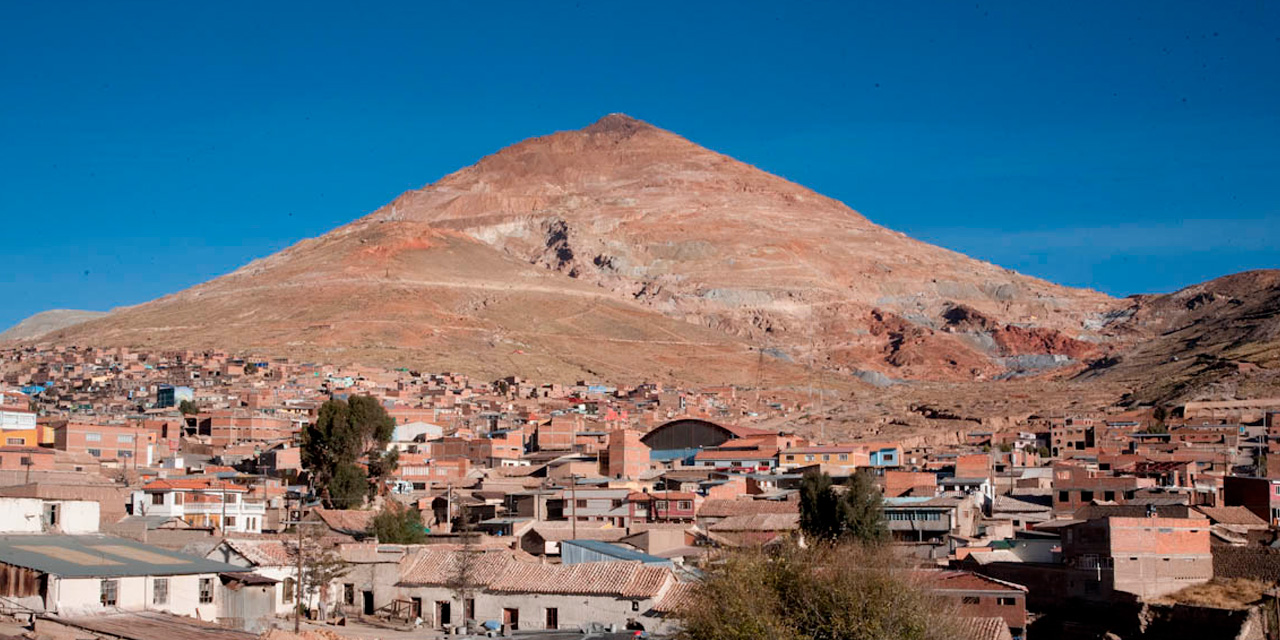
1258	563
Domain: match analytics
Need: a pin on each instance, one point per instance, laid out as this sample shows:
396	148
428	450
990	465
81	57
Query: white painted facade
227	510
81	596
16	419
33	515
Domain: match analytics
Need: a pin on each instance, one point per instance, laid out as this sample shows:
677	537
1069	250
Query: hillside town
144	490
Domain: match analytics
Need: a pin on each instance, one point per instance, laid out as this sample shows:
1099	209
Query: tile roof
677	597
1232	515
967	581
503	572
983	629
263	553
759	522
347	520
626	579
191	484
723	508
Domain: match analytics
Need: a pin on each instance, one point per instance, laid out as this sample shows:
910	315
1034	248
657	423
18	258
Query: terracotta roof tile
720	508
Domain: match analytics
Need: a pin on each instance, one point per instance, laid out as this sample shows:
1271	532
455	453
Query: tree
828	514
827	592
463	576
343	433
188	408
398	524
321	565
250	368
348	488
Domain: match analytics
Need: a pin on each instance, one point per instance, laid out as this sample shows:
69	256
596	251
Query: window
157	498
15	441
1086	496
826	457
1109	496
580	504
108	590
160	591
616	504
970	600
124	453
231	521
126	438
51	515
1006	602
635	605
808	457
348	593
25	461
684	505
844	457
206	590
660	505
93	437
289	586
97	453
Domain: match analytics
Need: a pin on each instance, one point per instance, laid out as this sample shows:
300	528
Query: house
34	515
271	559
1259	495
837	460
930	520
201	502
89	574
1145	557
524	595
979	596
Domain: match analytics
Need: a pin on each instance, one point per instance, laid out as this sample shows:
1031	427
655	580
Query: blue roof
613	551
906	500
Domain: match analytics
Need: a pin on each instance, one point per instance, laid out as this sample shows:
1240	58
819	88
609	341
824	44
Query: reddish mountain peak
619	124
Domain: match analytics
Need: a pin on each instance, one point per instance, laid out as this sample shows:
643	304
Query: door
553	618
511	618
368	602
415	608
443	613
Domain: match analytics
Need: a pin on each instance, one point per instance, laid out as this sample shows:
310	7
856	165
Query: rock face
625	250
1215	340
46	321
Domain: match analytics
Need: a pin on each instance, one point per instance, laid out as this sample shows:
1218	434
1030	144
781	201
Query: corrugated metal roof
614	551
91	556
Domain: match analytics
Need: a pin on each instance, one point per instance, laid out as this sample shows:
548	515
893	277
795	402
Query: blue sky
1128	147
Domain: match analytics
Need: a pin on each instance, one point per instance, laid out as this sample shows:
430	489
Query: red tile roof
191	484
721	508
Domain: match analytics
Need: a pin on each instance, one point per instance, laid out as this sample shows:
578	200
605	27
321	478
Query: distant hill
624	252
46	321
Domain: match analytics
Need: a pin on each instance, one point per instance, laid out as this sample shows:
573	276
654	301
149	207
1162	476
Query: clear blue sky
1129	147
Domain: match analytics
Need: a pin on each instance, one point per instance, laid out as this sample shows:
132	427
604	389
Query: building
626	455
1146	557
108	442
90	574
1259	495
979	596
837	460
168	396
201	503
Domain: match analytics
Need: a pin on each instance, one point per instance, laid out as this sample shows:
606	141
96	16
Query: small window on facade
157	498
108	592
684	505
160	591
124	453
1006	602
1064	496
844	457
206	590
97	453
93	437
660	505
970	600
635	605
231	521
581	504
15	441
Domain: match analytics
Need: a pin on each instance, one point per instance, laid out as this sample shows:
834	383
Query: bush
397	524
828	592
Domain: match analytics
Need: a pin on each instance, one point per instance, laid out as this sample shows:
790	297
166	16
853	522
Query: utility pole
573	497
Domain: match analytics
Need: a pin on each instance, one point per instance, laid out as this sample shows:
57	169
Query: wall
83	595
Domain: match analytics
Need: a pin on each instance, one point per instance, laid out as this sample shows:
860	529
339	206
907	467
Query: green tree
398	524
826	592
188	408
250	368
828	514
345	432
348	488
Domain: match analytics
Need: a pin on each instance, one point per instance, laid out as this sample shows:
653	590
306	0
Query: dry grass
1236	593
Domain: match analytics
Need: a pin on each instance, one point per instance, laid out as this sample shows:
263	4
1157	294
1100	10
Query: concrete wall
26	515
73	596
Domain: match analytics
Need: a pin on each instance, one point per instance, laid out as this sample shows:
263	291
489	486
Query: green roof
100	556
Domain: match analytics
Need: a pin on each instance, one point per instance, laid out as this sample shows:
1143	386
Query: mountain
627	252
46	321
1215	340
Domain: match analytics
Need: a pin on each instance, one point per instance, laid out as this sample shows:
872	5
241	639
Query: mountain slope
1215	340
46	321
625	234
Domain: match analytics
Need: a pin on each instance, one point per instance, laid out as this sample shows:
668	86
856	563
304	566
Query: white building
34	515
268	558
93	574
201	503
14	418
